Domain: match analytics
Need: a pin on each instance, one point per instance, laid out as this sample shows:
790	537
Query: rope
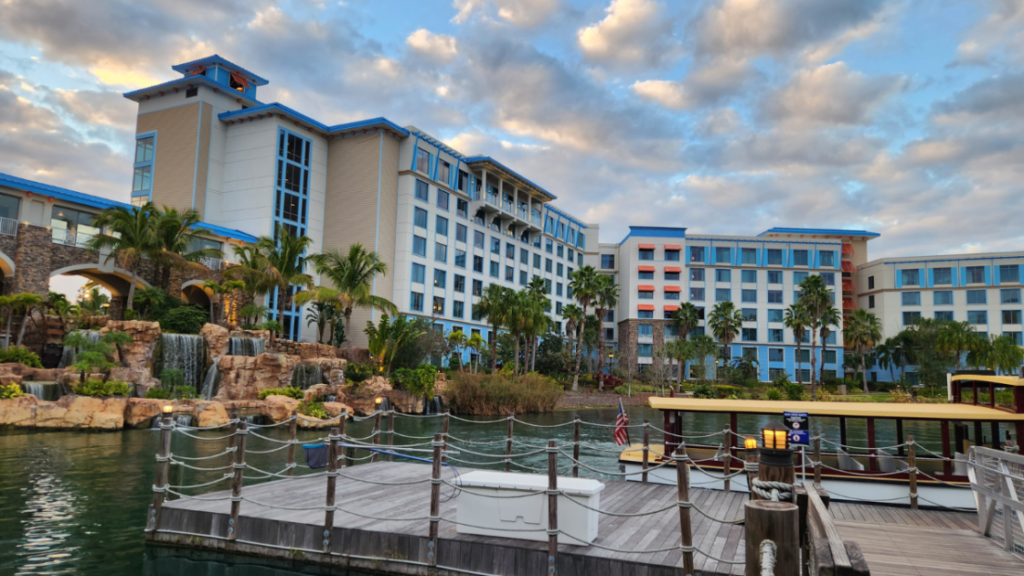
204	439
195	458
272	450
481	442
183	496
514	419
281	423
400	435
577	462
672	506
768	551
203	485
269	439
454	417
770	490
190	467
864	447
196	428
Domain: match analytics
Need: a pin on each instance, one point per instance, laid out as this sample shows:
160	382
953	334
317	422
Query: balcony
8	227
75	238
211	262
645	339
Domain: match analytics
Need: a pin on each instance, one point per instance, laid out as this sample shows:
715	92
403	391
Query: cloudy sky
903	117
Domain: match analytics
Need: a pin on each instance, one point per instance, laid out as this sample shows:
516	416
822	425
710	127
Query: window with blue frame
748	296
672	276
291	210
478	264
942	276
910	318
775	335
645	350
142	182
495	269
1015	336
460	283
645	314
697	294
748	334
748	276
776	354
697	274
830	357
419	218
423	161
458	309
800	258
419	273
774	257
671	255
942	298
911	298
775	296
646	254
1009	295
799	277
775	315
440	278
416	301
977	317
829	278
828	259
944	315
975	274
748	256
910	277
696	253
976	297
441	225
646	275
440	252
1011	316
645	294
723	294
723	275
607	261
419	246
723	255
495	246
775	276
1009	274
749	314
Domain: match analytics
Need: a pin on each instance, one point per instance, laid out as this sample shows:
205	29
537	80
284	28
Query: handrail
828	553
997	477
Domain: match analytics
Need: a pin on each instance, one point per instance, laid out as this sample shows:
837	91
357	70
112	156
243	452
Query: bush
774	394
10	391
313	409
636	388
97	387
20	354
496	394
358	372
158	393
794	391
418	382
171	378
184	320
291	392
704	391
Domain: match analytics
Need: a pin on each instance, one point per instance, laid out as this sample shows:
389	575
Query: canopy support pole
947	464
899	436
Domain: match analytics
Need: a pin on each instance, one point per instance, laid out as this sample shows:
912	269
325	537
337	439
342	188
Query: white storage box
497	514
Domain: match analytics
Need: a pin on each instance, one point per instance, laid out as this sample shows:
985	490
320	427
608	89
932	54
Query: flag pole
626	427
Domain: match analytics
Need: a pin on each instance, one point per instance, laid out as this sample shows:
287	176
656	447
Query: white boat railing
997	478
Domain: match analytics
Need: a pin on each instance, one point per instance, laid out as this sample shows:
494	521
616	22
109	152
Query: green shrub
158	393
497	394
774	394
10	391
704	391
358	372
184	320
418	382
624	389
97	387
20	354
171	378
291	392
313	409
794	391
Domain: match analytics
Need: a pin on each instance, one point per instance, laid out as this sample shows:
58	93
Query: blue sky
725	116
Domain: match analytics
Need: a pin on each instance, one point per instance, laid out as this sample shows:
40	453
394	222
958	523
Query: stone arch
117	280
7	268
193	292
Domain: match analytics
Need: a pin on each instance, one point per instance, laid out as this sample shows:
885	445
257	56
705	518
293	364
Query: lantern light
168	409
775	436
378	400
750	443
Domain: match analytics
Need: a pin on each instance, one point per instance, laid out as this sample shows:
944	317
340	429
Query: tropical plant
285	265
221	292
178	233
130	234
25	302
862	331
94	301
388	338
686	318
493	304
457	343
725	322
607	292
475	343
584	285
290	392
830	316
8	391
183	320
958	339
702	349
537	323
886	354
573	315
252	313
99	387
816	300
537	289
496	394
21	355
416	381
796	320
680	351
313	408
319	313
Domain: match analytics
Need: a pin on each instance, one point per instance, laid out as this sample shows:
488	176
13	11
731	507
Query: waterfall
245	346
211	382
187	353
306	375
257	419
179	420
67	357
50	391
433	405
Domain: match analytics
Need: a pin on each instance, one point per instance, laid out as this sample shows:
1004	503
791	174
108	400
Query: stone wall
629	338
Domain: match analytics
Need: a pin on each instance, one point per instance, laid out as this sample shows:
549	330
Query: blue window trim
294	312
151	163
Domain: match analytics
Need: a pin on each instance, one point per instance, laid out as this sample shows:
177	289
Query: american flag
621	434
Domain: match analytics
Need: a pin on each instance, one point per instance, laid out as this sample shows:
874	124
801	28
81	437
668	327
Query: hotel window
462	208
723	275
944	315
942	276
723	255
829	278
975	274
805	356
748	296
910	277
478	264
547	288
1009	295
775	296
609	334
749	334
460	232
723	294
672	255
696	253
805	339
799	277
422	161
609	316
463	183
71	227
536	260
558	308
871	282
976	297
1009	274
645	330
646	275
444	172
671	295
977	317
460	284
1016	336
441	225
524	278
558	289
776	355
438	306
142	183
477	315
510	274
548	264
419	246
775	335
440	252
910	318
442	200
524	256
510	251
942	298
830	357
478	239
419	273
607	261
422	191
569	255
748	276
645	295
800	257
560	251
416	302
828	259
495	246
697	294
672	276
696	274
478	287
495	269
911	298
549	246
871	301
440	278
750	353
458	309
775	315
774	257
579	258
646	254
1011	316
748	256
559	269
749	314
645	350
775	276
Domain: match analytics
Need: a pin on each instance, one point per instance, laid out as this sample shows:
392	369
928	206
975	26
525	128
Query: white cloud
829	94
520	13
633	32
1000	33
707	84
437	47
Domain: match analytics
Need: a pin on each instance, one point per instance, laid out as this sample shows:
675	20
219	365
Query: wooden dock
894	540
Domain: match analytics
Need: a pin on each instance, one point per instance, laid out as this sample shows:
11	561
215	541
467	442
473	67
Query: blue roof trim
281	108
551	208
191	80
473	159
103	203
654	232
441	145
217	59
821	231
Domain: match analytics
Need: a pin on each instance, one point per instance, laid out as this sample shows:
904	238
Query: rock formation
244	377
218	340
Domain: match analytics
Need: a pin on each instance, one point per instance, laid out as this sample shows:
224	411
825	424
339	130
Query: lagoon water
75	502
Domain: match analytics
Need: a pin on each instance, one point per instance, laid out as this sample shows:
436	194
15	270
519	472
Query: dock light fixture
750	443
775	436
168	409
775	451
378	400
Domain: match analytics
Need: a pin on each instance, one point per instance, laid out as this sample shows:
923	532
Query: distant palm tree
583	283
816	298
1007	356
725	322
686	319
607	291
796	320
353	273
131	234
573	315
887	354
537	289
863	330
27	302
178	233
957	338
830	316
492	304
475	343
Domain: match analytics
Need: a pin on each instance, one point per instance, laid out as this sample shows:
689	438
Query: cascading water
50	391
306	375
245	346
187	353
211	382
67	358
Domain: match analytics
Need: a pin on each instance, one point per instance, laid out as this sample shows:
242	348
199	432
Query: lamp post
775	457
751	457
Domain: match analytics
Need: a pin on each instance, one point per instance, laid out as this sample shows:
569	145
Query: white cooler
497	515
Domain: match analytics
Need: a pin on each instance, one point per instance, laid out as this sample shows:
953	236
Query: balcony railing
67	237
645	339
507	207
211	262
492	199
536	219
8	226
524	212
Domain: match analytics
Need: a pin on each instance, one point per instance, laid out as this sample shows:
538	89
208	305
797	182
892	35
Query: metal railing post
292	429
552	508
576	446
236	482
683	495
163	458
332	485
912	466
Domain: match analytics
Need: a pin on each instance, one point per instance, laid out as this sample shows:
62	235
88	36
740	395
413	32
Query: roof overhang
492	165
177	85
274	109
881	410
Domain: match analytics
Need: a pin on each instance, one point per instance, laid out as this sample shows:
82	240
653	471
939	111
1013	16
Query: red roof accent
847	266
848	284
645	307
671	307
672	289
647	246
673	247
646	268
673	269
645	288
240	80
848	249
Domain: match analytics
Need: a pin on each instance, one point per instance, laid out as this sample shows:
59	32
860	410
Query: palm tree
796	320
492	304
249	270
679	350
815	298
956	338
830	316
725	322
701	348
863	330
573	315
324	298
607	299
686	319
583	283
353	274
537	323
1007	356
888	353
517	305
475	343
388	338
28	302
537	289
285	265
129	234
457	343
178	232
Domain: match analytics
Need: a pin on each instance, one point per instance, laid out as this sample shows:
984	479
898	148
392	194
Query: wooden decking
894	540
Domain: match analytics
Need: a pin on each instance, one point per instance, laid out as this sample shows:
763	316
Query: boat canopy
990	379
840	409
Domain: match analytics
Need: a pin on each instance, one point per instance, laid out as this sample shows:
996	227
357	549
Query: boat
873	473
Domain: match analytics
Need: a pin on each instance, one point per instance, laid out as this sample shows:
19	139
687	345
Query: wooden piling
508	442
163	458
778	522
332	484
376	435
912	465
435	499
391	431
647	447
444	433
683	489
292	430
576	446
552	508
236	480
232	443
727	465
341	433
817	460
